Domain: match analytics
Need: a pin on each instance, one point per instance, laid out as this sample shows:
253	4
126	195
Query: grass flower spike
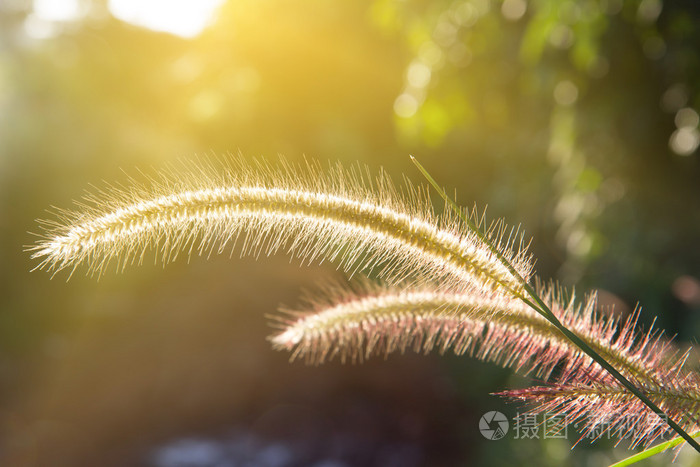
364	320
608	409
339	215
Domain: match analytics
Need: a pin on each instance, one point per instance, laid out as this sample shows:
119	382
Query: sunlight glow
185	18
47	16
56	10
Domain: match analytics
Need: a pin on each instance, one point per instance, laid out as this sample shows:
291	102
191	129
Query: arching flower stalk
338	215
355	324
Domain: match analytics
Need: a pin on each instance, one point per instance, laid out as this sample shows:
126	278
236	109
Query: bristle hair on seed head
356	321
339	214
609	410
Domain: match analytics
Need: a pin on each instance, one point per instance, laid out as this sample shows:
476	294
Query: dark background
572	119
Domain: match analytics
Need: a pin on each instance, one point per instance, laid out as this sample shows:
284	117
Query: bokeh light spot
431	54
561	37
565	93
418	75
38	28
186	69
674	98
186	18
466	15
687	117
684	141
205	105
687	290
579	243
56	10
459	55
445	32
649	10
405	105
513	10
481	6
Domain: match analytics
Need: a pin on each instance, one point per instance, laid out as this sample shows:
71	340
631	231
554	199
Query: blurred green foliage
575	119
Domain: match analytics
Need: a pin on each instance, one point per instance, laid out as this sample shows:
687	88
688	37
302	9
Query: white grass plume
340	215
